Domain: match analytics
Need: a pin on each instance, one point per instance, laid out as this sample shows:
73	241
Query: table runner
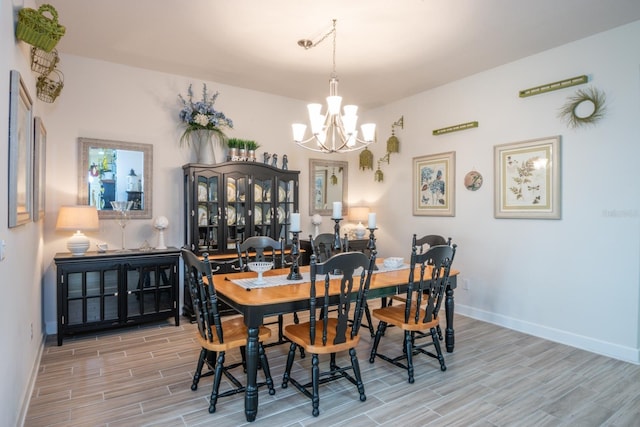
280	280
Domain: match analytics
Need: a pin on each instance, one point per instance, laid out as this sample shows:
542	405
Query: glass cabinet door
92	296
286	206
149	289
208	212
262	206
236	209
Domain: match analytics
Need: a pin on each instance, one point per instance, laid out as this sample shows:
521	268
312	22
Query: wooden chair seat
235	336
394	315
299	334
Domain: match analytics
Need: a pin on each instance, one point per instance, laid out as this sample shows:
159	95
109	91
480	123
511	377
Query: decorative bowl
393	262
260	267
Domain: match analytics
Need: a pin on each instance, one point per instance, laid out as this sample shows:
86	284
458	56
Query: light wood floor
495	377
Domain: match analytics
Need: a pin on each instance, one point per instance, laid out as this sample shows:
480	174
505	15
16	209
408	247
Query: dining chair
216	336
422	243
430	240
323	246
333	331
418	320
264	249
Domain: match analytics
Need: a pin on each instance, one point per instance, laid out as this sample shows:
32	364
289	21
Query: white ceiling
386	50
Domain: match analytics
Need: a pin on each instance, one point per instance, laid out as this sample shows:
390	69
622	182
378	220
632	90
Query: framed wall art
527	179
20	151
434	184
39	157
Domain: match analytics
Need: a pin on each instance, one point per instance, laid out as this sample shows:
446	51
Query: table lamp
78	219
359	213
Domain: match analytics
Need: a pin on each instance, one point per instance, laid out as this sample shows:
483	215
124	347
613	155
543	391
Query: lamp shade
78	218
358	213
75	218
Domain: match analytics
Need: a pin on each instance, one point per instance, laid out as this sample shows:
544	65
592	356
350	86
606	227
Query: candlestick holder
337	242
294	272
371	246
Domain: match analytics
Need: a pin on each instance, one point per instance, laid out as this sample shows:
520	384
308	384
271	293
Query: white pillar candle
295	222
337	210
372	220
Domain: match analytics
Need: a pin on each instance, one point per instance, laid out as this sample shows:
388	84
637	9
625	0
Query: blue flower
201	115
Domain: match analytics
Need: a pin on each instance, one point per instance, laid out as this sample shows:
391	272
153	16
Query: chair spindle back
203	295
434	268
347	263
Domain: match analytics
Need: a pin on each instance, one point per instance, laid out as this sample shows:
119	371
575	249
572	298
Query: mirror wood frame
84	144
317	163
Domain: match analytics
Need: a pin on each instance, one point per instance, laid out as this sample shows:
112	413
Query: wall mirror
115	171
327	184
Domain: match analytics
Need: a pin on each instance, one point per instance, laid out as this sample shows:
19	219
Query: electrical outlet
465	284
3	246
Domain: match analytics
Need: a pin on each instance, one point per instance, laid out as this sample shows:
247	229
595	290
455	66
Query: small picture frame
39	160
527	179
434	184
20	152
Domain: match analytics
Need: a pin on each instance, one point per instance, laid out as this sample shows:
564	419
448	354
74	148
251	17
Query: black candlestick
294	272
337	243
371	246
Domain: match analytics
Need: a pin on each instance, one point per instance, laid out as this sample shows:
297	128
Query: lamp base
360	231
78	244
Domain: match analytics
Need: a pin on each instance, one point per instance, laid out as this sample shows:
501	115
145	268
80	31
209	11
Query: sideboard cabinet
115	289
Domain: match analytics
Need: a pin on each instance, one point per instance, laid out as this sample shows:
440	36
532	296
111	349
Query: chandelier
332	132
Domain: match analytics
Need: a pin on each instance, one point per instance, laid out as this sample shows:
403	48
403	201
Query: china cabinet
113	289
227	202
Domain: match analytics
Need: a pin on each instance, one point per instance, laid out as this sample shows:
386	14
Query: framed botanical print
39	157
527	179
434	184
20	151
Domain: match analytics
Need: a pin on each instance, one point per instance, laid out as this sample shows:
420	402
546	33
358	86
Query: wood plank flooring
495	377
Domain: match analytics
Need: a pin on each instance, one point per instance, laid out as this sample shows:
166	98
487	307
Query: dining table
279	295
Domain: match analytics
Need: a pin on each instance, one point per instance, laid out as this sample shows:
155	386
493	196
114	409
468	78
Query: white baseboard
627	354
26	398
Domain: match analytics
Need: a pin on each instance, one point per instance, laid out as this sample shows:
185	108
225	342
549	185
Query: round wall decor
584	108
473	180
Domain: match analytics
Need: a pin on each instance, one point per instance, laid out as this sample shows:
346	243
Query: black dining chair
418	319
331	331
264	249
216	336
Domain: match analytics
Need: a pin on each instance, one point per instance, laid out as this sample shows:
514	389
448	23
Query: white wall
573	280
21	334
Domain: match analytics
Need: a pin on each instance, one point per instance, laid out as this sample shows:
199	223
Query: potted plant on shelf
234	145
252	146
203	125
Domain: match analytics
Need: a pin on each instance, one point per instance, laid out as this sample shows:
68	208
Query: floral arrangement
201	115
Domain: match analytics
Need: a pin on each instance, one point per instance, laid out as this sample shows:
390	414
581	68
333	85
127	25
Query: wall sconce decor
393	146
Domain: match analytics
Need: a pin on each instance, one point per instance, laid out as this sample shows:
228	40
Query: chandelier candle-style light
332	132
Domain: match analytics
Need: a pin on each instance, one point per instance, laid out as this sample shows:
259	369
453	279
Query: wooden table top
299	291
